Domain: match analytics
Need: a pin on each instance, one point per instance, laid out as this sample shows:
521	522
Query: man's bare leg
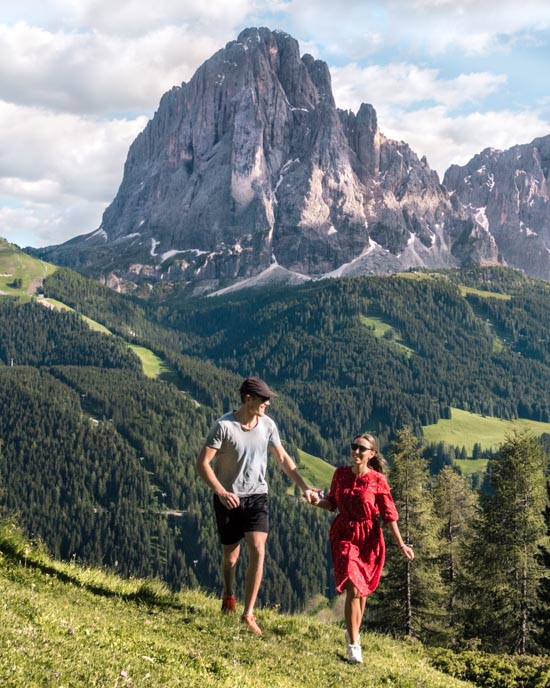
230	556
255	542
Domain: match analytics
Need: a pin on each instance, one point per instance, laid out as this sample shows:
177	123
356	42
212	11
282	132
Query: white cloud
135	17
83	155
59	170
469	25
356	28
92	72
405	84
31	224
128	17
446	140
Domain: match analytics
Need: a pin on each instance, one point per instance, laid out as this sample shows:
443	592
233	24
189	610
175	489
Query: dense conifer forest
98	460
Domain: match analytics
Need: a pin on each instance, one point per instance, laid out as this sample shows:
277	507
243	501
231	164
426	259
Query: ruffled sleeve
384	500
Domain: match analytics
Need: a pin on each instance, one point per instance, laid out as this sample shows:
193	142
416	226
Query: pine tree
412	595
504	568
543	612
455	503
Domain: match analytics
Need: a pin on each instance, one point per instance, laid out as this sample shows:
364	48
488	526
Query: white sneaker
355	656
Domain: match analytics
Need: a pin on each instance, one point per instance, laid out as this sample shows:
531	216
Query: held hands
311	496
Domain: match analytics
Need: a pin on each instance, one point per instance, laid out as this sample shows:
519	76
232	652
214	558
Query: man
233	463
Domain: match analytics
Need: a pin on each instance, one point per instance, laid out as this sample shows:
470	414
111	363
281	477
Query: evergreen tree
543	614
455	503
504	568
412	595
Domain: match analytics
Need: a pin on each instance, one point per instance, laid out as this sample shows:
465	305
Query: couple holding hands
233	463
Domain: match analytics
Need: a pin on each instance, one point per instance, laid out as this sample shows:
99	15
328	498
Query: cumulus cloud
84	155
447	140
59	169
405	84
473	28
34	224
90	72
416	27
129	17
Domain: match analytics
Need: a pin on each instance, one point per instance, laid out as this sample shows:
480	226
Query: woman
360	492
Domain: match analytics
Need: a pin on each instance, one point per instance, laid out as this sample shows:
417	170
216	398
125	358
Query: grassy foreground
66	626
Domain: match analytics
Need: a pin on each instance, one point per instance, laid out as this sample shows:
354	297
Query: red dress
356	540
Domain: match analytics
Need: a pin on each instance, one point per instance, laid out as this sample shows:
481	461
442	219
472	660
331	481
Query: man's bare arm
204	469
289	467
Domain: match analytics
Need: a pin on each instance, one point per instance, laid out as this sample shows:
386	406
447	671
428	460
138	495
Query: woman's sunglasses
360	448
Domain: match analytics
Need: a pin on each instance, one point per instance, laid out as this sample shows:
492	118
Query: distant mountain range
250	173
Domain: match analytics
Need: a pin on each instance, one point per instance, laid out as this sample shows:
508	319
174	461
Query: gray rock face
506	194
250	165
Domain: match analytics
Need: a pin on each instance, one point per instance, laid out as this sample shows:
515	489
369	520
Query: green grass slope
16	265
153	365
315	471
63	625
466	429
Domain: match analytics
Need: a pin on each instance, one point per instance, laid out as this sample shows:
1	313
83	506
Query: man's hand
311	495
229	500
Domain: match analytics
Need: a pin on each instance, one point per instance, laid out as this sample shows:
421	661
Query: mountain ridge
251	164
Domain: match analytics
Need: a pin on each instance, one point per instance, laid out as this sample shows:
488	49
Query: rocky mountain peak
506	193
250	168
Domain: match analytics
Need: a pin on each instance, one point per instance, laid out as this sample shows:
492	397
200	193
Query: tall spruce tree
543	613
455	503
411	599
505	571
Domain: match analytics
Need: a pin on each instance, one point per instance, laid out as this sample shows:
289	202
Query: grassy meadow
315	471
16	265
68	626
465	429
383	329
464	290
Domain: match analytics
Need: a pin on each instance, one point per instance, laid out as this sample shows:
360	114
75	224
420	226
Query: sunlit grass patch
384	330
465	429
65	625
316	472
464	290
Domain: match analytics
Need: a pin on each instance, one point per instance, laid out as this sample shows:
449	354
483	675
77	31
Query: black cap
257	387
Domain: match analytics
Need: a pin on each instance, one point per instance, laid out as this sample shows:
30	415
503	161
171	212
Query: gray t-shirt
240	463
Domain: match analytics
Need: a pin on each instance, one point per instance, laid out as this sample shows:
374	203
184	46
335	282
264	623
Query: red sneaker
250	621
229	603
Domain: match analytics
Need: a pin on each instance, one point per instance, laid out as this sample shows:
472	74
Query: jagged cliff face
250	167
506	194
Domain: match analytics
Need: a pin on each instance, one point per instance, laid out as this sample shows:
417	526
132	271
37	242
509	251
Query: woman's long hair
377	462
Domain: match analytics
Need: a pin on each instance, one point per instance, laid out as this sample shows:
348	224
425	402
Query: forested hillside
99	460
319	344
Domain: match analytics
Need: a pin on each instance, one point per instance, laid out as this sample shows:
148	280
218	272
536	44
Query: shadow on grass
150	592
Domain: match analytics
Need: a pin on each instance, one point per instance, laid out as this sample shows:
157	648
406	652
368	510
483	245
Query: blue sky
79	79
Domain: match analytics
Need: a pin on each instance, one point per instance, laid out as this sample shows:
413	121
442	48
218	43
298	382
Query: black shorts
252	515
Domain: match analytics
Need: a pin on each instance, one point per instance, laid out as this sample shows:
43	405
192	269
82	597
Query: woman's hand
312	496
407	551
